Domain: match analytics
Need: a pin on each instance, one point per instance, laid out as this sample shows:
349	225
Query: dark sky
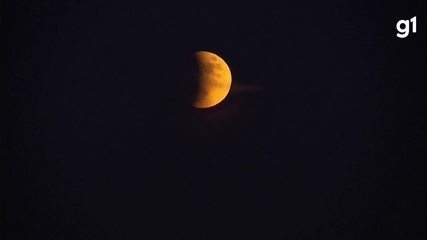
99	140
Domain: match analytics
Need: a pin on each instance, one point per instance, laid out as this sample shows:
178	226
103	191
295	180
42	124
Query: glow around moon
214	79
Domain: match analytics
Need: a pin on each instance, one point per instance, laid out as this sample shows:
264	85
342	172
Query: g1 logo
404	32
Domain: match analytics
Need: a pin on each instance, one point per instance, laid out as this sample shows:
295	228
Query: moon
213	80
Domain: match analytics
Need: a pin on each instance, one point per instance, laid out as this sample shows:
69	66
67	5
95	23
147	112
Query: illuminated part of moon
213	79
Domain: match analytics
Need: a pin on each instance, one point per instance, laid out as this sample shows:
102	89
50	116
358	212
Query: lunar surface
213	80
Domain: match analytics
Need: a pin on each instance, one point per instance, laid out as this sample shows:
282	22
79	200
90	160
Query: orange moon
213	80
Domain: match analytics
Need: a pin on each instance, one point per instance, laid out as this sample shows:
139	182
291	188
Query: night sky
323	135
